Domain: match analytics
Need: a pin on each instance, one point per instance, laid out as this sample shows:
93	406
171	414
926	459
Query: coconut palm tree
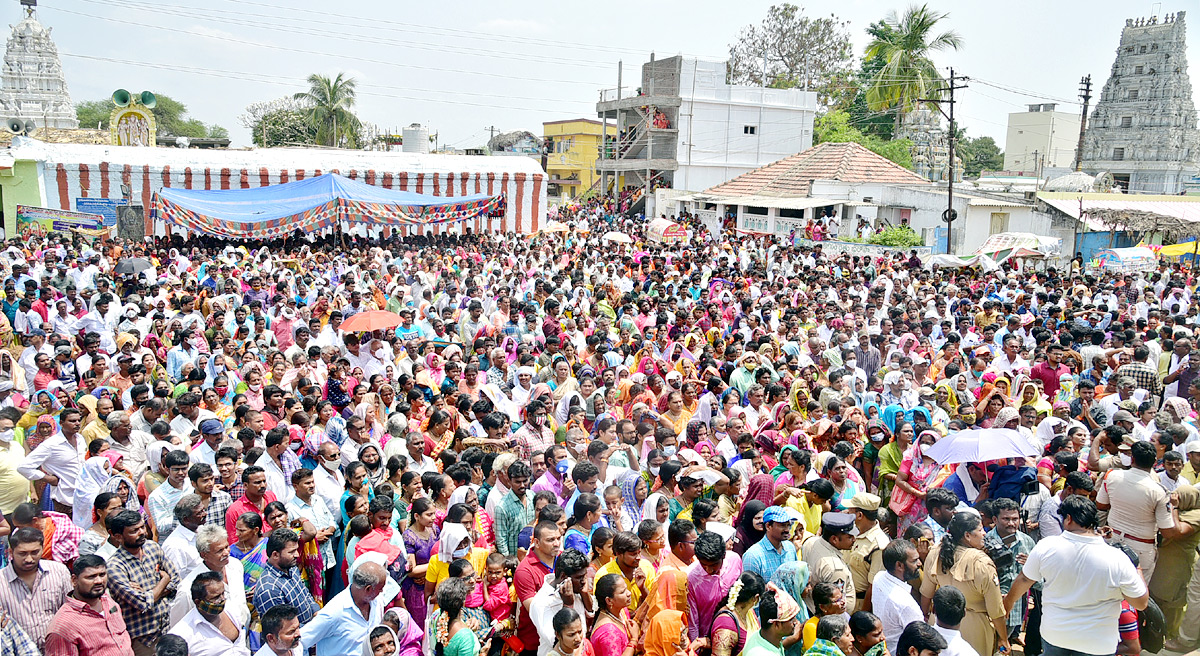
328	107
905	46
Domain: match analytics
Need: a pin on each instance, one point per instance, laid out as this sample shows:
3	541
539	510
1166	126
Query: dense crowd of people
449	445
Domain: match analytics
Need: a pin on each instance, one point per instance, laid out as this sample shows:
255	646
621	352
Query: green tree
279	122
881	124
836	127
799	50
170	117
905	46
329	109
93	114
979	154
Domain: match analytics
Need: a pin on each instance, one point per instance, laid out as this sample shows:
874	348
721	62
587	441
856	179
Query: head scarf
114	481
890	415
761	488
650	506
788	608
747	535
452	535
628	483
410	633
693	431
154	454
792	578
93	476
459	495
368	651
1006	414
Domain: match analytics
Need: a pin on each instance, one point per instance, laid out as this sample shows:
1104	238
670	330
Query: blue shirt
763	558
339	628
276	587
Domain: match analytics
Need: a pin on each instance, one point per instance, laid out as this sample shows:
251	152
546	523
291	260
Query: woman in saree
408	634
736	620
892	455
989	406
250	547
918	474
634	491
614	632
1032	395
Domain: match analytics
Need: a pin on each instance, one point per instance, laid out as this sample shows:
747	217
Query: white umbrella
618	237
981	446
556	226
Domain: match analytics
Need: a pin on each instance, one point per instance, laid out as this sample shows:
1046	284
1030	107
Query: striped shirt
512	514
33	608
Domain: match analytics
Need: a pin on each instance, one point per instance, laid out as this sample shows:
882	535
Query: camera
1000	555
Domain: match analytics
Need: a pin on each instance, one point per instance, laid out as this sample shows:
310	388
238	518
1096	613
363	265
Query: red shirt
528	580
1049	376
105	634
241	507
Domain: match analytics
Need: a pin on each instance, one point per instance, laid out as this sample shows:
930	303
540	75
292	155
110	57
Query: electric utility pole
1085	92
949	215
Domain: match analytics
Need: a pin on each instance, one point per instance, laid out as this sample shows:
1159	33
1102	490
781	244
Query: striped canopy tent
311	205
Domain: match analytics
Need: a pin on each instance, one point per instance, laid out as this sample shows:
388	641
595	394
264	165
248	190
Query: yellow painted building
572	148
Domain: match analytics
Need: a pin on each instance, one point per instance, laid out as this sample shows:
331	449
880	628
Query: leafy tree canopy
836	127
798	50
170	116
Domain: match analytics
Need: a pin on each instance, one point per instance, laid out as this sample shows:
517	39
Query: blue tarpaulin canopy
311	205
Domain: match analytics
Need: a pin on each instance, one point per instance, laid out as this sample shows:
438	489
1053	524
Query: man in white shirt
208	629
180	545
280	632
949	607
58	461
891	598
272	464
36	344
563	590
212	432
1084	582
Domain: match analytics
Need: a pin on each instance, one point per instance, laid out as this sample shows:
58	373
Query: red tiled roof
793	176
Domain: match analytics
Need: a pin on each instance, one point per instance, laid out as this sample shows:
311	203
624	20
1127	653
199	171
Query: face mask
668	451
221	391
211	607
1126	459
461	553
653	470
562	466
750	366
850	364
255	388
331	465
218	367
6	435
907	385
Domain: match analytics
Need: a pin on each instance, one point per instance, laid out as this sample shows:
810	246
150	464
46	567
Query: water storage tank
416	139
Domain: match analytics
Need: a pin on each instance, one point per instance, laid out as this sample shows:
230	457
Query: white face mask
669	451
6	436
331	465
653	470
1126	459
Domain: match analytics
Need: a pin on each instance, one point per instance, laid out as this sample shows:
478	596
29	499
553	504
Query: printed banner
40	221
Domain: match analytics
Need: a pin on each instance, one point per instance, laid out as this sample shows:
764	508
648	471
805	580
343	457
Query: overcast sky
461	66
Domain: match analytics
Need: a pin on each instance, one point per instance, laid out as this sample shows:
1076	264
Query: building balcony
618	165
609	107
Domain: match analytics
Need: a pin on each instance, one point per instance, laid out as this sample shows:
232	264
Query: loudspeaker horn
15	125
121	97
148	100
30	126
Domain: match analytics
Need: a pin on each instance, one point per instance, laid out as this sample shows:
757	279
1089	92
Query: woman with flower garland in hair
736	619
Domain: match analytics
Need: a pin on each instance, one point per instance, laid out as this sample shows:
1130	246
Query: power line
271	46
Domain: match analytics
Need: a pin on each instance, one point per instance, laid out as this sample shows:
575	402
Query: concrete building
685	127
1143	129
34	87
1040	139
572	147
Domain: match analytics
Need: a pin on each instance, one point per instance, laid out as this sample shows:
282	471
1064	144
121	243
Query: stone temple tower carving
34	86
1143	129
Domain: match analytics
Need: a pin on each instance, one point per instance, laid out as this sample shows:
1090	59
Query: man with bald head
342	626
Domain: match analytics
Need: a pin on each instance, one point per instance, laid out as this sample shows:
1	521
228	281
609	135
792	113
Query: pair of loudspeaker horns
123	98
23	126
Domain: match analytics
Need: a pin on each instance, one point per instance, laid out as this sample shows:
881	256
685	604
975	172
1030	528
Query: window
1138	70
1126	121
1133	94
1118	154
749	129
1142	50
